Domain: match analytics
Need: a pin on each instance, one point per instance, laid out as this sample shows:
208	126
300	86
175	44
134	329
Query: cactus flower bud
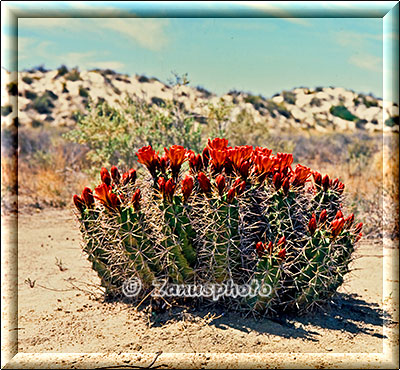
358	228
270	247
260	249
244	169
350	220
206	158
204	182
312	225
339	214
323	216
169	188
325	182
317	178
135	199
286	185
220	180
230	195
161	184
281	242
115	175
79	203
105	176
277	181
187	187
358	237
241	188
282	253
132	176
87	197
337	226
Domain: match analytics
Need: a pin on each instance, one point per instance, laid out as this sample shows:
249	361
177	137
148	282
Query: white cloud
355	39
367	61
109	65
150	33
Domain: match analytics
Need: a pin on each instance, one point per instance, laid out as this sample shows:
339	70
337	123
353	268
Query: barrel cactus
240	215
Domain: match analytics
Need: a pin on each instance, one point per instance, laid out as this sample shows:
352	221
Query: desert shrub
143	79
342	112
12	88
289	97
392	121
111	134
6	110
236	215
61	71
43	103
28	80
206	93
73	75
30	95
83	92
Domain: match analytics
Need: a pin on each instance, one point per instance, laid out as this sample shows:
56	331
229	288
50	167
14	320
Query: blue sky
259	55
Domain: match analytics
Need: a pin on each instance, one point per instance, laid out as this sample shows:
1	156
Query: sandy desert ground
60	311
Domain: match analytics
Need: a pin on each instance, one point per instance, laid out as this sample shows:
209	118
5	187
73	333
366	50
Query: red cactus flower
230	195
317	178
79	203
240	154
176	155
105	176
220	181
187	187
149	158
358	228
337	226
301	175
281	242
115	175
87	197
282	253
260	247
325	182
135	199
323	216
169	189
312	224
264	164
284	160
106	197
218	158
262	151
270	247
217	144
204	182
286	185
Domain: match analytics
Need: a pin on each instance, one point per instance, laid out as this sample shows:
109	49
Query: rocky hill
52	97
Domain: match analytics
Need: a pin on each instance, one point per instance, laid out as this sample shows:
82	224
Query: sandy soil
60	309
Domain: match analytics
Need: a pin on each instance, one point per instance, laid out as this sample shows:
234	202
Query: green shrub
12	88
289	97
61	71
73	75
43	104
83	92
392	121
342	112
6	110
27	80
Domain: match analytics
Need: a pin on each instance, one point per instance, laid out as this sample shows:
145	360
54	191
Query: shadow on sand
345	313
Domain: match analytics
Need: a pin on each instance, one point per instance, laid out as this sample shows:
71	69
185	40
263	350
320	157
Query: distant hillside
53	97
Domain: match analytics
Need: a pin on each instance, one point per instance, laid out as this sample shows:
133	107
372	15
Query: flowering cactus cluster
226	214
